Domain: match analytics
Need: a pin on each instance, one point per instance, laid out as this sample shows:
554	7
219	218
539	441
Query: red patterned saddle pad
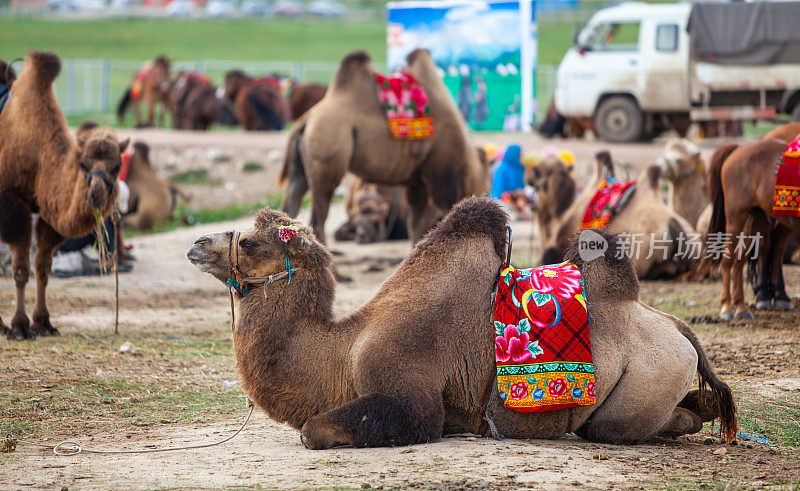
606	202
542	344
787	182
406	106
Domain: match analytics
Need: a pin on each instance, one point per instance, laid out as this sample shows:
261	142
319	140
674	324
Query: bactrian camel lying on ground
417	361
645	218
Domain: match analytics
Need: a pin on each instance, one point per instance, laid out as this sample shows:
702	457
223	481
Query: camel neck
688	196
290	354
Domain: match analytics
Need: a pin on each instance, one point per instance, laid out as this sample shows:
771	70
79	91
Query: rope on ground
69	447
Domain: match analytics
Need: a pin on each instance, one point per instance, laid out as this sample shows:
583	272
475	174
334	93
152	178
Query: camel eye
246	245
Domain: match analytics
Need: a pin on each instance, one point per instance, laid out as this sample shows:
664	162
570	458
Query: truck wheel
618	120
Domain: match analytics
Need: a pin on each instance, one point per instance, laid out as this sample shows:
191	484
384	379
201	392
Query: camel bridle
237	280
101	175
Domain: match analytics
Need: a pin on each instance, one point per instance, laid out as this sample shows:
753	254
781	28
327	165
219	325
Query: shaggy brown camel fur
417	361
376	212
42	170
556	190
152	198
303	97
645	219
149	85
259	105
741	182
682	167
348	131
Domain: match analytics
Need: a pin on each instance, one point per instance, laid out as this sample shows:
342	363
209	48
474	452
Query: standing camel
43	170
418	360
149	85
348	131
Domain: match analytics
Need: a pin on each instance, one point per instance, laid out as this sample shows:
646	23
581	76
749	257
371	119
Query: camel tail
292	159
718	222
723	397
123	105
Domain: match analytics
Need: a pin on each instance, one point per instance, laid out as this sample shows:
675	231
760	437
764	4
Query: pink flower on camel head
561	280
286	232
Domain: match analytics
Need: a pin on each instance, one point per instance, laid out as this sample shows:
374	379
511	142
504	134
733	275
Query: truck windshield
619	36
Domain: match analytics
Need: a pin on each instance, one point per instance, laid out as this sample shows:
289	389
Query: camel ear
124	145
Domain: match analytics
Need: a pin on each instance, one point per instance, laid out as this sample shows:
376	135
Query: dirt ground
180	387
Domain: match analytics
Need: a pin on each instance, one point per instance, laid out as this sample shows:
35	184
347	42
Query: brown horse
149	85
258	102
348	131
303	97
193	101
741	185
43	170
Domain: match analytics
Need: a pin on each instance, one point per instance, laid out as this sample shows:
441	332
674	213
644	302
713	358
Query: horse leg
779	240
726	313
732	268
741	309
417	195
763	288
47	240
151	111
377	420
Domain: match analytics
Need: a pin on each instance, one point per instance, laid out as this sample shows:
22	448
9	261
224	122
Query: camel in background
304	96
43	170
348	131
645	216
152	199
149	85
353	390
376	212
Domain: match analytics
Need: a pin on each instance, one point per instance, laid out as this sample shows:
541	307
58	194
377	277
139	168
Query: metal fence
94	86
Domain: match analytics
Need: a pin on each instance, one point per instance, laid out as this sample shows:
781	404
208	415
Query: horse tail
721	392
267	115
123	105
292	159
715	191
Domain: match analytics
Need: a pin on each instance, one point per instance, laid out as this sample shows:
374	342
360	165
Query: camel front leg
376	420
47	241
20	265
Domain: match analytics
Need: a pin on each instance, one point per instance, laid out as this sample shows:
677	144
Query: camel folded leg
47	241
376	420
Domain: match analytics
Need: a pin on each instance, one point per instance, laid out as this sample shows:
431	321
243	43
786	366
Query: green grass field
220	39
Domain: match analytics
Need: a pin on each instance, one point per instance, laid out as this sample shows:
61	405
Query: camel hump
470	217
412	57
45	66
609	277
652	175
354	58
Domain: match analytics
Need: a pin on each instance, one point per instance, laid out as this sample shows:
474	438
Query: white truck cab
635	69
629	60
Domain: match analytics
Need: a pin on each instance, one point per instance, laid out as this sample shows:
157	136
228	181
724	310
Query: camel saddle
542	344
787	182
609	199
406	106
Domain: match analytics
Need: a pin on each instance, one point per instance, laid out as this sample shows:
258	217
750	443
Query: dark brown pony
303	97
193	101
258	103
43	170
149	85
741	183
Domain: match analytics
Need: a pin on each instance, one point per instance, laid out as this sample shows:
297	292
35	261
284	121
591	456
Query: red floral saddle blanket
609	199
542	345
406	106
787	182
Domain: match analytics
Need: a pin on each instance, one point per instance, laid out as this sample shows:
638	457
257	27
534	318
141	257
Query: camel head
681	158
373	215
554	184
262	250
100	160
542	174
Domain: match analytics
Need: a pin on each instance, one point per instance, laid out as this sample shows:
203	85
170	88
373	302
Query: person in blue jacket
510	174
